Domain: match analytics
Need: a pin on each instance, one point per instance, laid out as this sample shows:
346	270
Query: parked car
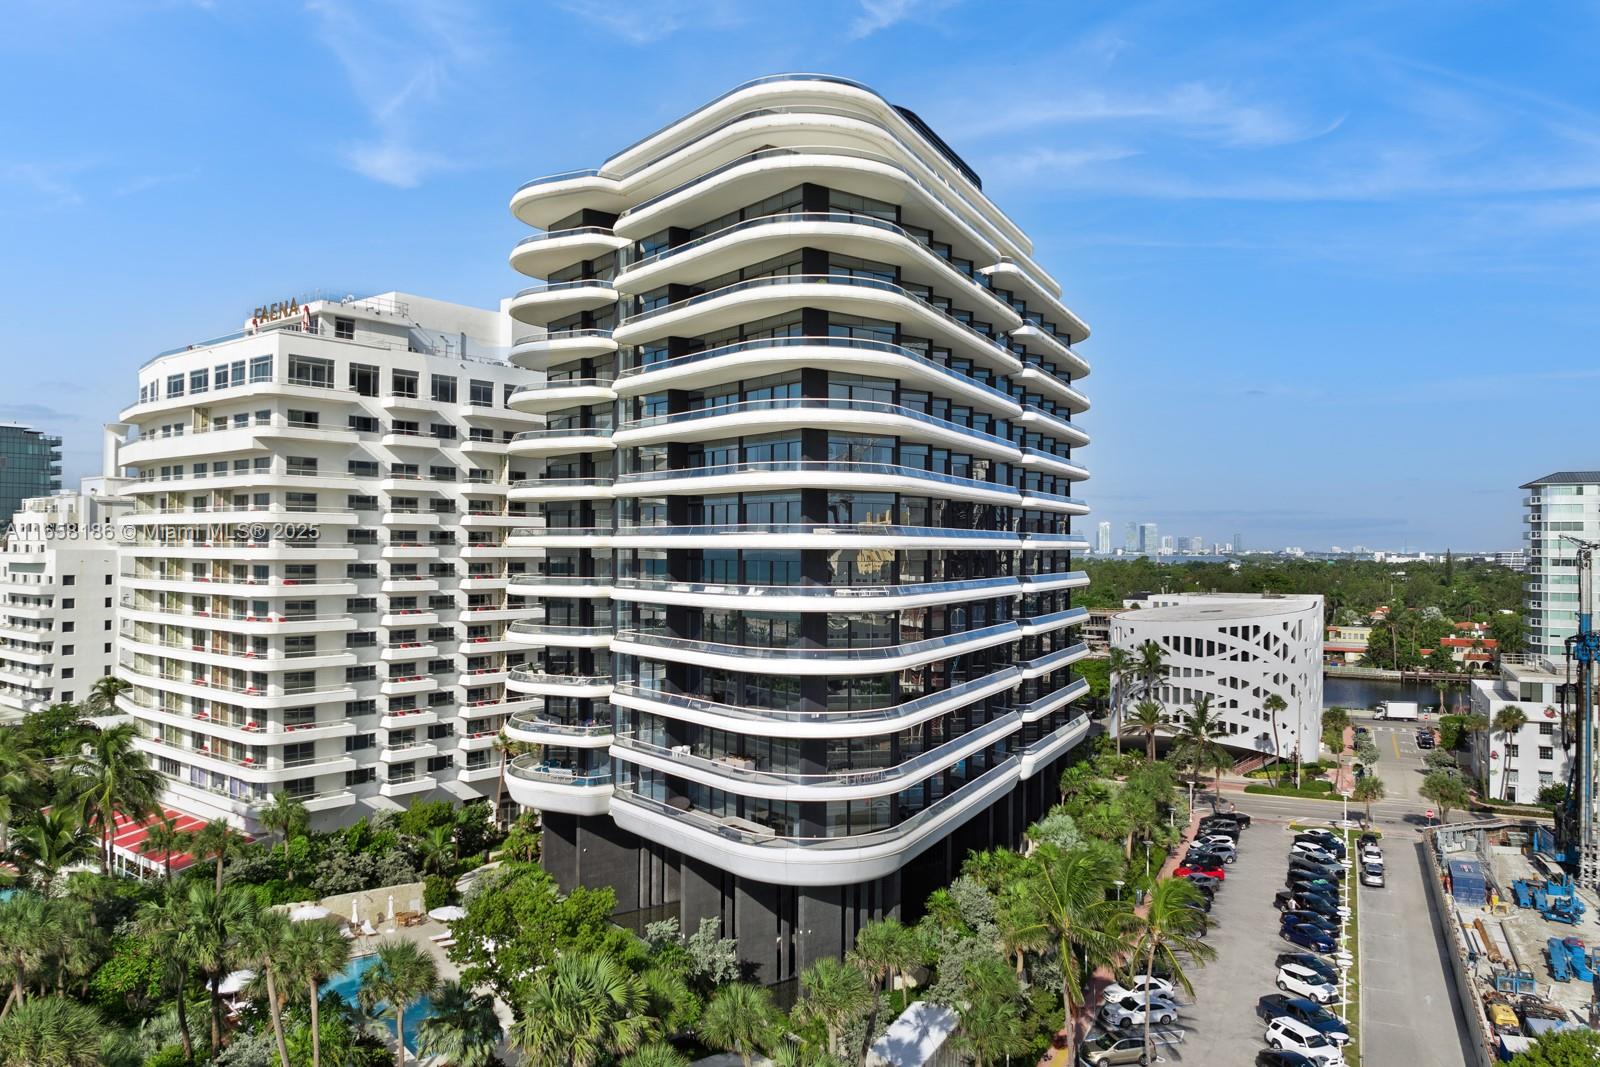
1139	985
1367	839
1320	922
1307	937
1315	903
1218	840
1372	854
1308	883
1372	875
1304	982
1203	858
1230	830
1316	964
1312	850
1214	871
1130	1011
1285	1033
1331	871
1302	1009
1203	881
1327	840
1282	1057
1424	738
1227	853
1240	817
1111	1049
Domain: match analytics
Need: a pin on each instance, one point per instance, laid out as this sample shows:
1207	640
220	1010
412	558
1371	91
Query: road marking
1395	737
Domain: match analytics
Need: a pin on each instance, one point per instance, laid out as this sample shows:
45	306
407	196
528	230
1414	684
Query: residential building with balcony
1561	505
30	465
805	524
58	590
1521	766
318	587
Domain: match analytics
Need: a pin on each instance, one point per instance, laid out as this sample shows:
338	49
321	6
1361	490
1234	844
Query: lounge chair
443	936
367	929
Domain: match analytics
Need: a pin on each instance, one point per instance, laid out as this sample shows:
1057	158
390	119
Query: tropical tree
163	836
161	922
1272	706
989	1013
1148	718
216	840
1120	665
1446	790
212	921
1169	933
264	945
880	948
20	769
436	847
403	975
463	1030
52	1032
283	817
1199	740
834	995
317	951
580	1010
1019	927
28	934
1369	790
1472	726
1508	722
740	1019
1151	666
104	692
1067	892
108	776
50	841
655	1054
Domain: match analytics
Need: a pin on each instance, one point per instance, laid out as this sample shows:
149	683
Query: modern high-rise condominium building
1149	541
806	518
1561	505
316	595
1130	537
58	590
30	465
1102	543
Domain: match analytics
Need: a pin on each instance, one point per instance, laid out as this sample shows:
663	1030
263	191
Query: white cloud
645	21
47	181
881	14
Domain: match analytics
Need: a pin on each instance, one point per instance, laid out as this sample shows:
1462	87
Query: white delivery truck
1398	709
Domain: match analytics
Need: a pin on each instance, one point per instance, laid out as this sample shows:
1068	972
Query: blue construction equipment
1578	957
1555	952
1556	909
1523	891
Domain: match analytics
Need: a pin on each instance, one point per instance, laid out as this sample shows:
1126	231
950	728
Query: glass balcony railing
820	404
804	466
991	586
536	723
554	235
533	769
561	287
908	649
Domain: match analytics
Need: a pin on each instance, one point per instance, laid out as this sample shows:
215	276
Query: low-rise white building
1519	767
1240	649
58	594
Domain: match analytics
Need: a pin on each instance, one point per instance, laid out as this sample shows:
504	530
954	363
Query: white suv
1304	982
1286	1033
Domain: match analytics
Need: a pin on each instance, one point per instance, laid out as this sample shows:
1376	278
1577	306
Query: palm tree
283	817
1368	791
1020	930
161	922
1147	717
833	994
212	921
739	1019
1151	666
163	836
20	769
436	847
1067	892
112	776
990	1016
403	975
28	935
874	954
54	839
508	750
580	1010
52	1032
463	1030
317	951
104	692
1198	743
1272	705
1170	931
1472	726
656	1054
217	840
1508	722
81	945
264	944
1119	664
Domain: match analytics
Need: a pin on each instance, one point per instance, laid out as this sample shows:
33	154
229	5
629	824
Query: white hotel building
316	597
807	522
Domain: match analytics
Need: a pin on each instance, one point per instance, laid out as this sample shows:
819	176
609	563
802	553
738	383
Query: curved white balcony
1055	620
759	298
1039	290
534	784
824	536
538	683
1038	500
760	854
546	200
539	351
1054	701
532	728
843	355
1038	459
803	598
1046	583
561	441
551	394
1054	542
1055	425
560	585
1041	342
540	254
1048	384
1051	661
535	537
824	474
534	489
540	305
1038	755
810	661
735	774
771	236
794	413
543	633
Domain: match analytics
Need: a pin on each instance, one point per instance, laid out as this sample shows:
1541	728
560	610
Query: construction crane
1579	825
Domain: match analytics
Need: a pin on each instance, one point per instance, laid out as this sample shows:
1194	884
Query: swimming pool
347	983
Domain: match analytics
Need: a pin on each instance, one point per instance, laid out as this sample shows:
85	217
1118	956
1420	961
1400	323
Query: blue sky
1340	259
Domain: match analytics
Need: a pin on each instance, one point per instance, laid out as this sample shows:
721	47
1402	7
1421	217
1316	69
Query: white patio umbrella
391	907
355	911
308	913
448	913
235	982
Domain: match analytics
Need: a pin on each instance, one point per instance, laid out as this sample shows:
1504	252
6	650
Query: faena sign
283	309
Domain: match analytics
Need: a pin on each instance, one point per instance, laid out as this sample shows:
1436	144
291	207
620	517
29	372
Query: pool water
347	983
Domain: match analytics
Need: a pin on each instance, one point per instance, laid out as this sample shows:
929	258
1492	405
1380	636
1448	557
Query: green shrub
1305	794
437	891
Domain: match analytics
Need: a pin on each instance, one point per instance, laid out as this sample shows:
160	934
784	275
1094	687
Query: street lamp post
1147	858
1119	884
